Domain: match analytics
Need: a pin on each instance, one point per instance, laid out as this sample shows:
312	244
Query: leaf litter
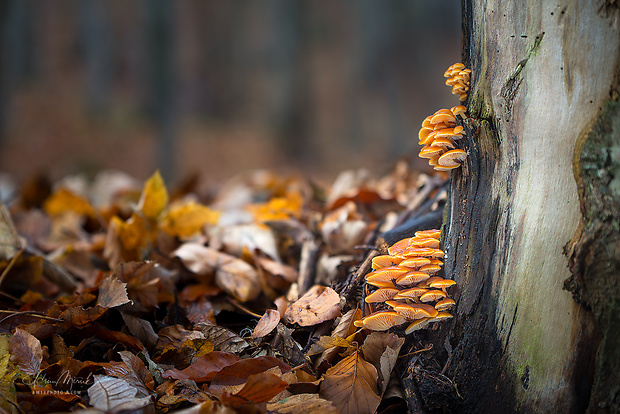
241	298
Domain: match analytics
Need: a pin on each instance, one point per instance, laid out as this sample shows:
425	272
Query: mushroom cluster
458	78
405	281
440	130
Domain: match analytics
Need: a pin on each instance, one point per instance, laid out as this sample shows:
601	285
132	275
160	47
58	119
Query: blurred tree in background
218	86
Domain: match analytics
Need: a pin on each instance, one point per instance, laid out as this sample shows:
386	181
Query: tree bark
541	186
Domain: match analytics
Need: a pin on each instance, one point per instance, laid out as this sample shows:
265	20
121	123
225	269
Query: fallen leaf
223	339
344	328
9	240
204	368
154	198
115	394
288	273
64	200
266	323
141	329
8	373
258	388
352	385
327	342
200	259
112	293
381	349
318	305
302	403
188	219
238	279
26	352
176	335
238	373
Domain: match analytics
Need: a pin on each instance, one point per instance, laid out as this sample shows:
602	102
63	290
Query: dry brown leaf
112	293
175	336
141	329
239	372
288	273
266	323
343	228
115	394
302	403
204	368
8	373
328	342
26	351
9	240
381	349
343	330
239	279
259	388
200	259
223	339
352	385
318	305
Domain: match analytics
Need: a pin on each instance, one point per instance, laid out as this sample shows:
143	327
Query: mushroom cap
417	325
386	274
424	131
446	118
412	277
428	140
414	310
382	320
415	262
381	295
444	143
432	295
399	246
385	260
452	158
444	303
441	316
436	262
437	254
429	152
430	269
411	293
380	283
456	132
427	122
458	110
434	233
463	97
424	242
455	67
433	160
418	251
437	167
441	283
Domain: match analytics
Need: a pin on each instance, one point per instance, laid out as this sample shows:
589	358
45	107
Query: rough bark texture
544	78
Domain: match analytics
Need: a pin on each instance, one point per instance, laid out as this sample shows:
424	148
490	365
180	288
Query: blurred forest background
219	86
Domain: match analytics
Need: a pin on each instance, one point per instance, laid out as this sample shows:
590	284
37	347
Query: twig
243	308
29	313
418	351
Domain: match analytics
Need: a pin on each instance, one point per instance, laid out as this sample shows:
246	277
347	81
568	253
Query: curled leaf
266	323
115	394
318	305
26	351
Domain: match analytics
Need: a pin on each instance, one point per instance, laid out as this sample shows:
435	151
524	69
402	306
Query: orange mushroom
386	274
415	262
418	251
417	325
432	295
412	277
411	293
381	320
442	284
445	303
434	233
381	295
430	269
385	260
414	310
429	152
452	158
458	110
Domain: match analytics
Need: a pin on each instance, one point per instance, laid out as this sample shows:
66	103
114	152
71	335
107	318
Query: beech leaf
381	349
26	352
154	198
141	329
115	394
352	385
7	376
302	403
238	373
319	304
258	388
204	368
188	219
223	339
112	293
266	323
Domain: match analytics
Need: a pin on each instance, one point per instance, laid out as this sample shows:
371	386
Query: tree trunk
541	186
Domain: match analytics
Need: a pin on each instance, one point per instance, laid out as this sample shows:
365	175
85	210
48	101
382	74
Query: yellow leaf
278	208
7	376
64	200
188	220
154	197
